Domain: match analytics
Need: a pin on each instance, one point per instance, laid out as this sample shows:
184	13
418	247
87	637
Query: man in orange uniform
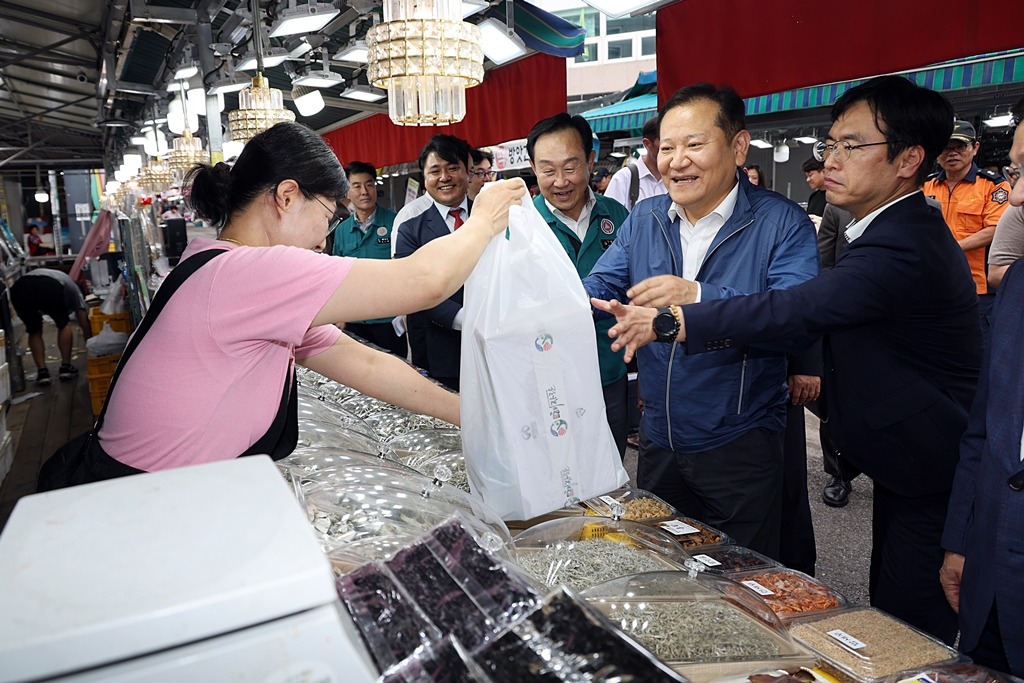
972	201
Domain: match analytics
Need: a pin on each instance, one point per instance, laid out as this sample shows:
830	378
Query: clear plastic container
322	411
304	461
354	555
333	392
704	627
581	552
725	560
863	644
364	406
314	434
789	592
959	672
424	443
388	424
641	506
449	467
691	533
443	662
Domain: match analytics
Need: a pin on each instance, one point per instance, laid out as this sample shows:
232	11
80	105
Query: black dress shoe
837	493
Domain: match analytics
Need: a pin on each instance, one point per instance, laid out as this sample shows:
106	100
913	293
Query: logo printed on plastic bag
544	342
559	428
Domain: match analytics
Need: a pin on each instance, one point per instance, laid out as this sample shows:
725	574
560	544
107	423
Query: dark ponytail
285	151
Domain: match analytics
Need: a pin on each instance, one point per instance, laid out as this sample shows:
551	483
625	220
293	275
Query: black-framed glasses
840	151
335	219
486	175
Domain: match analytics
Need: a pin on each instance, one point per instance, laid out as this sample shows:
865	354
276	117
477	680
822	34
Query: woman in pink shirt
212	378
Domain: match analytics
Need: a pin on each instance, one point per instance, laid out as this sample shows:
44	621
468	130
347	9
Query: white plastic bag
534	430
106	343
113	302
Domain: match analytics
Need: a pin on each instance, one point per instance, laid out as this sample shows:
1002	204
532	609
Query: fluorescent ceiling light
272	57
620	8
307	18
497	44
617	155
364	93
186	71
760	144
1000	121
355	52
139	140
806	139
233	84
319	78
308	101
471	7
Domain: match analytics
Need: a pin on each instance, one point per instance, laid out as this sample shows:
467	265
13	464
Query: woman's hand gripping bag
534	430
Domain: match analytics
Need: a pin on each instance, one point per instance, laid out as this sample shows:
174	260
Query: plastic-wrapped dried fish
314	434
388	424
364	406
425	443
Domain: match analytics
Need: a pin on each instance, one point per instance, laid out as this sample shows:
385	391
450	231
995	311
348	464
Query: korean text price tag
846	639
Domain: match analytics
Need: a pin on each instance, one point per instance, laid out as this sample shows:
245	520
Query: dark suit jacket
433	326
831	240
986	516
903	349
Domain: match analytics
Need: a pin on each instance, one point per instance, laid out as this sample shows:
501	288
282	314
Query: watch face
664	323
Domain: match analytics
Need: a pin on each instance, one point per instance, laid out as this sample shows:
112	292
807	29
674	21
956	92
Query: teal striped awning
972	72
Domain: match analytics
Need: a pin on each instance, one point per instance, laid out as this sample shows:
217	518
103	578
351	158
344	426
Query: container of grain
865	645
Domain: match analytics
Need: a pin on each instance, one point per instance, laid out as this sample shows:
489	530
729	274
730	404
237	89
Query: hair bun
210	192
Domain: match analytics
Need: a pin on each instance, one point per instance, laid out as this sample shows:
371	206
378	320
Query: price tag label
847	640
677	528
607	500
921	678
757	588
710	562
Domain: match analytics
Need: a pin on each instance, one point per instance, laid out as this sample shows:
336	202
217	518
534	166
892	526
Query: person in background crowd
599	179
903	343
711	434
35	243
756	175
814	170
435	335
1007	244
641	179
42	292
482	171
983	568
223	348
170	212
585	223
972	201
367	234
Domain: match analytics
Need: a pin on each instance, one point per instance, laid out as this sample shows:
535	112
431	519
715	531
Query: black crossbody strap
175	280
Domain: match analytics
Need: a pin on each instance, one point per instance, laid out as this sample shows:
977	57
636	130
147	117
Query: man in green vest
367	234
561	153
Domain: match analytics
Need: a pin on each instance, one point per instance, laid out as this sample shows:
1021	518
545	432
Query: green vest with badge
349	240
605	220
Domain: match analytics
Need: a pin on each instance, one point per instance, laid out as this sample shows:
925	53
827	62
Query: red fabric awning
761	47
504	107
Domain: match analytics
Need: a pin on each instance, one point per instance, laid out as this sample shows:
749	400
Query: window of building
647	46
589	19
644	22
620	49
589	54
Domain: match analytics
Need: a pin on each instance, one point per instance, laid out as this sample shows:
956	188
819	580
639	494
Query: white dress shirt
580	225
618	187
697	239
449	219
857	228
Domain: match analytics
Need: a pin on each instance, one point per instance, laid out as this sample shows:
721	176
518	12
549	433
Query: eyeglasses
958	147
335	219
486	175
840	151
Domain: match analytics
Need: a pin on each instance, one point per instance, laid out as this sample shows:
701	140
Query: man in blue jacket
902	345
710	441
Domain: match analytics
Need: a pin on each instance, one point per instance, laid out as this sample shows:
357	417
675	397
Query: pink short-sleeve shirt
206	382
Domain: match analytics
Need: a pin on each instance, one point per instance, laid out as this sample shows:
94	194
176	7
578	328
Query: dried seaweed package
443	662
499	590
511	659
592	645
441	598
390	623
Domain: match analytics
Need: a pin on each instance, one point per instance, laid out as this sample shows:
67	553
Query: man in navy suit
902	334
984	536
435	335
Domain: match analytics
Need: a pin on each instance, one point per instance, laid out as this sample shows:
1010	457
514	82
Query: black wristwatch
666	325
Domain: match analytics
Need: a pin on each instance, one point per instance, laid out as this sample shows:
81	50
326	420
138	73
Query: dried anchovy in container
730	559
389	621
790	592
691	533
592	646
640	505
388	424
313	434
440	597
443	662
322	411
694	631
425	443
863	644
582	564
455	462
364	406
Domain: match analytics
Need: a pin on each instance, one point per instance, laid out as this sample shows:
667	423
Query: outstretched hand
634	326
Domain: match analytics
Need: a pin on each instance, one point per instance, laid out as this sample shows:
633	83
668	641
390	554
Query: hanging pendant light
155	177
188	150
259	105
41	196
426	57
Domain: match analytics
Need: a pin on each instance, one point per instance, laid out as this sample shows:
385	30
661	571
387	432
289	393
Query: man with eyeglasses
973	200
483	163
902	335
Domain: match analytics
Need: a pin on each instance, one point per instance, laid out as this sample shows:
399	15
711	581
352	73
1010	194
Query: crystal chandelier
155	177
426	57
188	151
259	105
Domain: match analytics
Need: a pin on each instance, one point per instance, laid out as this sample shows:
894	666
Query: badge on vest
607	227
1000	195
381	231
383	240
606	243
